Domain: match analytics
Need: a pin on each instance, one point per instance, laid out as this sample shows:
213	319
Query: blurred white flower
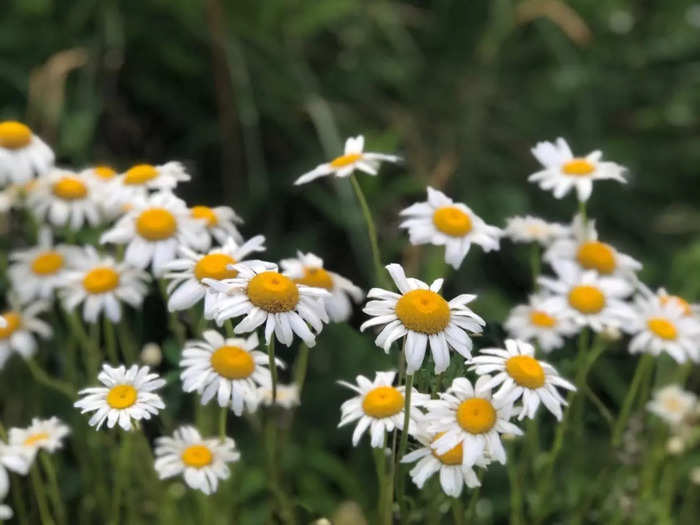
22	154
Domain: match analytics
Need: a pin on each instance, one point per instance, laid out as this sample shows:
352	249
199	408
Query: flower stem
458	511
301	366
54	491
42	377
403	444
371	230
126	342
223	414
535	263
273	367
643	367
582	212
176	328
228	326
40	495
122	474
110	340
380	464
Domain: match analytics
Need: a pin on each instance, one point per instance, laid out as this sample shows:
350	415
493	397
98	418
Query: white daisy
21	324
354	158
128	394
153	229
11	197
420	314
220	222
562	171
442	222
100	174
22	154
541	322
379	407
137	181
673	404
14	459
42	434
522	376
287	396
687	308
200	461
102	179
308	269
265	296
534	229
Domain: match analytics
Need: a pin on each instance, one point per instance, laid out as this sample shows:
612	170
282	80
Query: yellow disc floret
587	299
156	224
104	172
423	311
345	160
197	456
542	319
452	221
316	277
452	456
383	401
69	188
100	280
47	263
140	174
578	167
214	266
663	328
12	323
206	213
121	396
14	135
273	292
476	415
33	439
595	255
526	371
232	362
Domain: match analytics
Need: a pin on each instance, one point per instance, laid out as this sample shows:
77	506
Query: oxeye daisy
42	434
265	296
22	154
17	333
534	229
541	322
16	460
308	269
469	416
421	315
562	171
153	229
100	173
672	404
379	407
353	158
187	286
137	181
101	284
687	309
287	396
202	462
127	394
442	222
220	222
230	369
521	376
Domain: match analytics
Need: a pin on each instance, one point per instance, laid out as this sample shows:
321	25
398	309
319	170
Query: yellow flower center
452	221
542	319
197	456
121	396
206	213
232	362
13	322
273	292
156	224
345	160
673	405
101	280
452	456
423	311
663	328
33	439
678	301
104	172
578	167
587	299
47	263
140	174
213	266
383	401
70	189
594	255
476	415
316	277
14	135
525	371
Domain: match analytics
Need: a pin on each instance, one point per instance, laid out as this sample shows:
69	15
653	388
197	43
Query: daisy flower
539	321
421	315
287	396
442	222
22	153
42	434
686	308
521	376
100	173
562	171
534	229
138	180
308	269
101	284
153	229
200	461
265	296
17	332
230	369
354	158
220	222
11	197
379	407
469	416
672	404
11	458
127	394
189	271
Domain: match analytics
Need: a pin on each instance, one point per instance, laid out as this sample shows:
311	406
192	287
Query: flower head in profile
219	223
136	182
534	229
23	155
42	434
540	321
19	327
673	404
286	396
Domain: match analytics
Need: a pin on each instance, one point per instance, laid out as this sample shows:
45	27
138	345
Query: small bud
151	354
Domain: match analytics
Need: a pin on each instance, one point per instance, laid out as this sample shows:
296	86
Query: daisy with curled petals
354	158
379	407
187	286
534	229
139	180
421	315
101	284
153	229
672	404
469	416
562	171
202	462
65	198
22	154
265	296
230	369
308	269
18	330
442	222
220	222
42	434
541	322
127	394
521	376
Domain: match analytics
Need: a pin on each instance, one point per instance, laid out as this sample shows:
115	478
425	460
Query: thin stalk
403	444
380	465
273	367
110	340
515	489
40	376
54	491
18	500
173	323
301	367
458	511
471	508
90	350
122	474
223	414
228	326
371	230
126	342
644	365
582	211
535	263
40	495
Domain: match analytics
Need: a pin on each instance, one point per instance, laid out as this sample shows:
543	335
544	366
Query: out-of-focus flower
22	154
672	404
21	324
541	322
534	229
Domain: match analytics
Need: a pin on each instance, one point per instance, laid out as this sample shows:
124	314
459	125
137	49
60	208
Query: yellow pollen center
587	299
47	263
14	135
476	415
232	362
140	174
672	405
121	396
104	172
452	456
383	401
273	292
678	301
206	213
101	280
423	311
70	189
345	160
35	438
525	371
594	255
197	456
578	167
542	319
452	221
213	266
13	321
156	224
663	328
316	277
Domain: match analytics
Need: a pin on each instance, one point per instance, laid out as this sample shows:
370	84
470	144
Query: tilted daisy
286	396
265	296
220	222
42	434
21	324
354	158
102	179
687	308
308	269
153	229
442	222
469	416
101	284
672	404
127	394
230	369
540	321
562	171
22	154
379	407
140	179
534	229
421	315
521	376
202	462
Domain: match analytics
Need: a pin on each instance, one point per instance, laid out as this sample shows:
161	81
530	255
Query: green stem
403	444
55	384
40	495
380	465
301	367
228	326
223	414
582	212
458	511
126	342
643	367
91	353
18	500
515	489
173	323
273	366
471	508
110	340
371	230
54	491
121	475
535	263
